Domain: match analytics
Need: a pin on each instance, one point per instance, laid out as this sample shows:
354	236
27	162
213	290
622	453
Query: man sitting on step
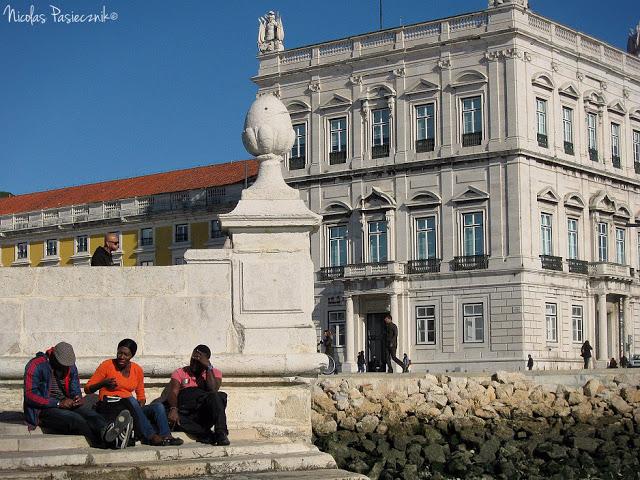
195	401
53	399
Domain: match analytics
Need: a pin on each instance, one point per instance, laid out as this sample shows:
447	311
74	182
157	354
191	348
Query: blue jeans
78	421
146	417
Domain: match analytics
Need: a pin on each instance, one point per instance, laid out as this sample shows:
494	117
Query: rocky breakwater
504	426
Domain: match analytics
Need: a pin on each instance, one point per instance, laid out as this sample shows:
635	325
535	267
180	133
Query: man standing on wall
391	344
102	257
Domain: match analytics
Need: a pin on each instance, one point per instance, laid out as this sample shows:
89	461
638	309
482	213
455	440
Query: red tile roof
175	181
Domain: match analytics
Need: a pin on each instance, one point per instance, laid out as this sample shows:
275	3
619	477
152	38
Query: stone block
17	282
11	321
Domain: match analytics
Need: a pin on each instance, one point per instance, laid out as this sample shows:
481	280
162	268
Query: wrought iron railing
636	167
469	262
471	139
543	141
593	154
380	151
568	148
429	265
297	163
425	145
615	161
551	262
337	157
578	266
330	273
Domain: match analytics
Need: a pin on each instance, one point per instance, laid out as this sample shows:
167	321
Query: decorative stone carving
364	110
580	76
498	3
493	56
510	53
555	66
633	43
355	80
399	72
603	85
314	86
444	63
267	128
626	93
270	33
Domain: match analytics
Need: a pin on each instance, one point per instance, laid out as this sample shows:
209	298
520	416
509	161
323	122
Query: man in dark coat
102	256
391	344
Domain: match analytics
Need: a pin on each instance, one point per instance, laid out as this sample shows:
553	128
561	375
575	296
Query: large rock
368	424
620	406
323	403
434	454
508	377
631	394
592	387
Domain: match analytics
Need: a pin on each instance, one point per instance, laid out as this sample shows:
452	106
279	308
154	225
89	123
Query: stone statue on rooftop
270	33
633	43
497	3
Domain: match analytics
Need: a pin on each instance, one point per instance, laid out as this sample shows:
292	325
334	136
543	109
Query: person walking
361	362
585	353
391	344
530	363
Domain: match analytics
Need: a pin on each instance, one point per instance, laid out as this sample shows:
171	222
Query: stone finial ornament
267	128
497	3
270	33
633	43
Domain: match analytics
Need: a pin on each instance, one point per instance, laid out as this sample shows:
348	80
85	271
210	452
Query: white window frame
567	124
426	231
615	140
546	234
621	246
338	327
463	228
215	232
474	114
541	116
153	240
592	131
378	126
602	241
577	323
145	263
470	317
423	320
175	233
56	244
340	133
330	243
426	119
551	321
636	146
17	256
378	235
573	235
76	243
300	151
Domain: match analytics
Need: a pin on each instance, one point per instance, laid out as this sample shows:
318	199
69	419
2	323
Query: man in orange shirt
195	401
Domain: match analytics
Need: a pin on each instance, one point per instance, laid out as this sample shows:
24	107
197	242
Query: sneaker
220	439
124	418
114	429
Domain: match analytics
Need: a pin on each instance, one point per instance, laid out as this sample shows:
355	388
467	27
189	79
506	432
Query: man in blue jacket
53	399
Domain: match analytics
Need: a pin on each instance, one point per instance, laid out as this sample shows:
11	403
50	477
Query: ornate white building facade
477	177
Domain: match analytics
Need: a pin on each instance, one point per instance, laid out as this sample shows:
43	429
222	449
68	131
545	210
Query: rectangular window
338	128
473	234
615	145
602	242
471	115
425	238
182	234
592	137
215	229
636	146
22	251
577	323
380	134
338	246
426	325
51	248
620	246
337	327
298	151
179	261
82	244
572	232
146	237
377	241
425	128
541	116
567	125
546	234
551	318
473	322
146	263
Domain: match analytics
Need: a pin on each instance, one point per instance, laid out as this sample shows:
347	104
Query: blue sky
167	84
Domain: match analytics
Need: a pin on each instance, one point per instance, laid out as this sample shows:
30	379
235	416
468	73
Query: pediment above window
336	208
617	107
423	86
424	199
569	90
380	91
471	194
543	80
548	195
469	77
634	113
623	212
574	200
602	202
335	102
377	200
298	106
596	98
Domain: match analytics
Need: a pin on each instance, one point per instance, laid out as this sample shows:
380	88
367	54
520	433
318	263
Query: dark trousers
200	410
147	420
391	355
586	362
79	421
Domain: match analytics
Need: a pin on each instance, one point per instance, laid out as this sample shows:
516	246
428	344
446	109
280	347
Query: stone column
349	364
390	217
603	347
393	309
626	307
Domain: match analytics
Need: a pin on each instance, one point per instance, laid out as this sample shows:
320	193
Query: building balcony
636	167
578	266
297	163
331	273
379	269
425	145
593	154
543	140
615	161
612	271
429	265
469	262
568	148
380	151
549	262
337	157
471	139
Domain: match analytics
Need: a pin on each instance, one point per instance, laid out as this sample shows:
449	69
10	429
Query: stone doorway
375	342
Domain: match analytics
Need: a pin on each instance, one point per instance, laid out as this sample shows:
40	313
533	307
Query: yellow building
157	217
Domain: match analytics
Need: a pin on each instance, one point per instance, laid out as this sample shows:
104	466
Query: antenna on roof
380	14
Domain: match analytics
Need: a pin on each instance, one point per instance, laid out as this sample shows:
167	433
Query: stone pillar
393	310
603	347
390	217
626	307
349	364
